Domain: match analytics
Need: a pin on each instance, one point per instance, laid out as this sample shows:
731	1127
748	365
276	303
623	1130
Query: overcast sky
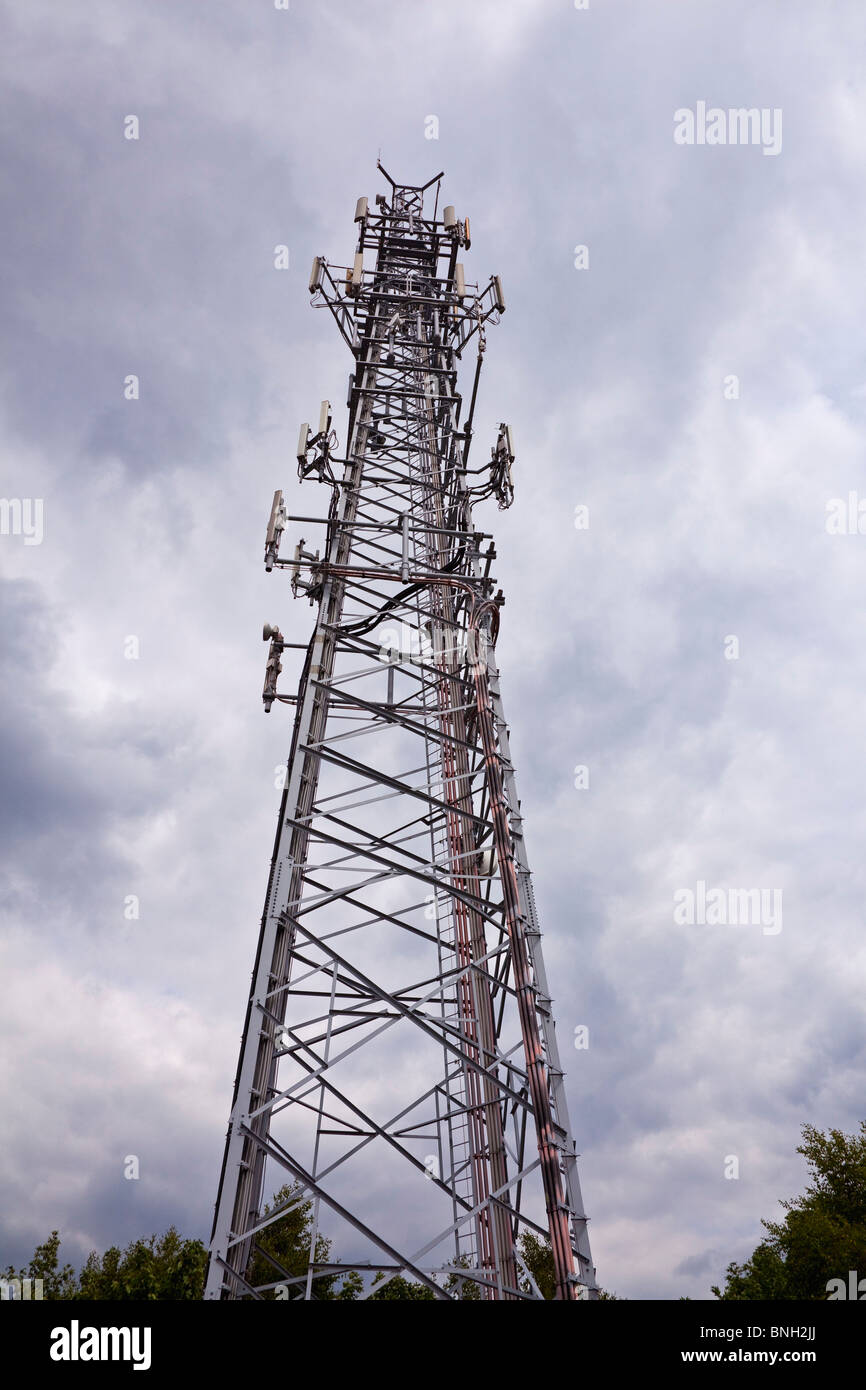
699	387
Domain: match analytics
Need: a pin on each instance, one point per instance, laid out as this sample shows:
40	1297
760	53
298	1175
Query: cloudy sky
699	387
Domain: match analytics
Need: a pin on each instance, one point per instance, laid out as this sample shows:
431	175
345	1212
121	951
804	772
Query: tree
159	1268
171	1268
288	1241
57	1283
823	1234
465	1290
538	1258
398	1287
167	1269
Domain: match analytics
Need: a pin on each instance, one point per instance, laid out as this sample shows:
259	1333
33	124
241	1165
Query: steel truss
399	1065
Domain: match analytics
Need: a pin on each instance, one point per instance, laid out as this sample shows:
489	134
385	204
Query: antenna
399	1068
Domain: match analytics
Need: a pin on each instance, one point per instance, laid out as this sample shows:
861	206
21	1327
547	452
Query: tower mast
399	1068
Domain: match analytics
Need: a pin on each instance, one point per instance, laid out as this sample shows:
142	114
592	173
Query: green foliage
287	1240
398	1287
166	1268
170	1268
465	1290
57	1283
538	1258
761	1277
823	1234
351	1287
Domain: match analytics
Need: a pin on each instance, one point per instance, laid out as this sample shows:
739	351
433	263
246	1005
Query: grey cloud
707	518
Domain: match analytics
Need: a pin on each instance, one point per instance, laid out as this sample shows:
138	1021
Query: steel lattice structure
399	1066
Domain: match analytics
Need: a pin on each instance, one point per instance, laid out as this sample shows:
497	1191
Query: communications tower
399	1068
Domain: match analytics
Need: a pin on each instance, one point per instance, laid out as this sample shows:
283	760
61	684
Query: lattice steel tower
399	1066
